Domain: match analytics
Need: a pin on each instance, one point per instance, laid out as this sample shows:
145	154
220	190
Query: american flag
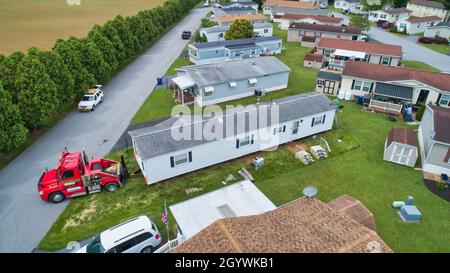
164	215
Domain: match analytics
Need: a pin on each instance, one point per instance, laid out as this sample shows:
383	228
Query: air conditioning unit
260	93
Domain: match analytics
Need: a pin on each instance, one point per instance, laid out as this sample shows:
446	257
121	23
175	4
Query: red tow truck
75	176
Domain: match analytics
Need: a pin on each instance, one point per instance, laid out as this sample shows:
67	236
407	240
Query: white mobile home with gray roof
161	156
219	82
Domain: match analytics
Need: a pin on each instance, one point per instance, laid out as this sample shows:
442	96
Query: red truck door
72	183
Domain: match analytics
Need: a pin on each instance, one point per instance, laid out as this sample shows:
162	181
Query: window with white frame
327	52
357	85
317	121
320	82
385	60
278	130
301	33
445	100
366	86
180	159
266	30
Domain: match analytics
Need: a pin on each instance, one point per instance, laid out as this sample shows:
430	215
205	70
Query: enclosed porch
184	90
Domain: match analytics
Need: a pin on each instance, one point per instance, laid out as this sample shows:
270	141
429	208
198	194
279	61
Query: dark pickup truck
186	35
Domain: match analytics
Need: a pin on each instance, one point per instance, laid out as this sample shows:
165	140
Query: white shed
239	199
401	147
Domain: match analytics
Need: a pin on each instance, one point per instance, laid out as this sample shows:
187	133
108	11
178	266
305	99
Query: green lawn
419	65
157	106
443	49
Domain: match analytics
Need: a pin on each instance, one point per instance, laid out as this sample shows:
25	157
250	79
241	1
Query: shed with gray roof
187	143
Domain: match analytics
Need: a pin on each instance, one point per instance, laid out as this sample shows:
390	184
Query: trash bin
159	80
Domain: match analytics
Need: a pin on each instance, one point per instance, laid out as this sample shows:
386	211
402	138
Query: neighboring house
337	52
423	8
312	60
434	139
352	6
401	147
389	15
328	83
398	85
215	83
239	4
270	6
235	200
162	153
282	11
299	30
305	225
239	10
211	52
441	29
416	25
228	19
217	33
287	19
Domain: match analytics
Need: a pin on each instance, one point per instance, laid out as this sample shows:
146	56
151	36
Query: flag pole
167	224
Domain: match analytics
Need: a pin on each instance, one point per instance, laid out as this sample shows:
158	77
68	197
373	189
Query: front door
329	87
423	95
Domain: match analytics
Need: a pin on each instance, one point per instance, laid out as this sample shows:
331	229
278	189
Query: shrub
440	40
425	40
393	29
420	112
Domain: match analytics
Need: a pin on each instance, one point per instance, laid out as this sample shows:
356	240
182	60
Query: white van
138	235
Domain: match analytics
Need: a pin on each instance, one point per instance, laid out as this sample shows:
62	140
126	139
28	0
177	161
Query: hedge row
36	84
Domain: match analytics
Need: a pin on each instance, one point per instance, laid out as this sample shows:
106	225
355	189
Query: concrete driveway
25	218
411	50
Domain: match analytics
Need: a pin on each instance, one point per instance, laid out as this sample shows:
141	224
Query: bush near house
41	83
440	40
426	40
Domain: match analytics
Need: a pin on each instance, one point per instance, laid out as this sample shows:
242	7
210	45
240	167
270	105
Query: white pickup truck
91	99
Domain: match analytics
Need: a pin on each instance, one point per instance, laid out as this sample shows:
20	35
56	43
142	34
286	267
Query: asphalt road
25	218
411	50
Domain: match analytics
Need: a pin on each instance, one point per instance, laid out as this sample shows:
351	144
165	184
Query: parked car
323	5
186	35
91	99
387	25
138	235
206	4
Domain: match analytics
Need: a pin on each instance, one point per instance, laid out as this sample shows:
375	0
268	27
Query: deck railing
388	107
171	244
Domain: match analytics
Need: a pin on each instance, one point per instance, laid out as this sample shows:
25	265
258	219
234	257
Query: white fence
171	244
385	106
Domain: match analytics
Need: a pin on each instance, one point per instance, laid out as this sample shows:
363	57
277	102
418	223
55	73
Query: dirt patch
295	146
433	187
249	158
85	214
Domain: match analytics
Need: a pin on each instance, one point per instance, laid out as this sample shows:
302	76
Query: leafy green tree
37	98
137	28
359	21
92	59
72	59
400	3
239	29
208	23
12	131
151	30
128	39
105	46
59	73
8	72
111	33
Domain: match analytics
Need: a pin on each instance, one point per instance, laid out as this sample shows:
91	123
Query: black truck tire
111	186
56	197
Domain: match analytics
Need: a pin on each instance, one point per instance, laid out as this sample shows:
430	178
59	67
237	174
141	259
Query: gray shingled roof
236	42
395	91
235	70
329	76
248	3
238	8
157	140
276	10
215	29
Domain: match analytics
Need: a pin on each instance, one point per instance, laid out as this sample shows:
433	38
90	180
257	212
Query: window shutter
353	84
190	156
323	120
379	61
284	128
312	122
253	139
390	60
237	143
371	87
438	99
368	59
172	162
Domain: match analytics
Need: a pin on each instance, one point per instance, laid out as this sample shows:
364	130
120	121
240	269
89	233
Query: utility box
410	213
258	162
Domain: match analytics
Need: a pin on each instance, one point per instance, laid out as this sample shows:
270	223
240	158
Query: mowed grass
157	106
26	23
355	167
443	49
419	65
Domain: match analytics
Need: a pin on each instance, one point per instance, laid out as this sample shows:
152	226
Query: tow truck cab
75	176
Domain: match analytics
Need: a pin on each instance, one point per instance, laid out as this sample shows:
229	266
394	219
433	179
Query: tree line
37	84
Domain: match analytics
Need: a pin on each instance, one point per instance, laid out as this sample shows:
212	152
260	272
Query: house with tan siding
423	8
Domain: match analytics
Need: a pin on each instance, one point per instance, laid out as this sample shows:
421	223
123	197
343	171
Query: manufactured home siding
159	168
223	92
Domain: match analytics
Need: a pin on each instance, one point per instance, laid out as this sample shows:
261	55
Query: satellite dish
310	191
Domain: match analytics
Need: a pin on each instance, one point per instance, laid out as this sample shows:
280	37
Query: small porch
390	98
339	58
184	90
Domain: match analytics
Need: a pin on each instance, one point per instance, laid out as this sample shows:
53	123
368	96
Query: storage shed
328	83
401	147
